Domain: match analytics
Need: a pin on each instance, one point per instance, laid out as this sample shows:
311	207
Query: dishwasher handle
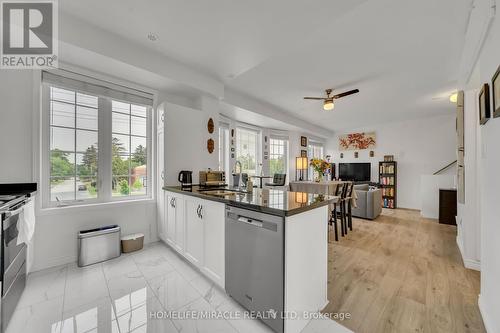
256	223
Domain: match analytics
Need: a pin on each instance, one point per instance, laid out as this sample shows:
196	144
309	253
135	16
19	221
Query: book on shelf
388	192
388	203
387	180
387	168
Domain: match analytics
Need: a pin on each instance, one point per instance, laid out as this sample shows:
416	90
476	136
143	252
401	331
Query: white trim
486	317
248	127
258	143
53	262
104	151
468	263
92	86
286	154
94	206
472	264
108	78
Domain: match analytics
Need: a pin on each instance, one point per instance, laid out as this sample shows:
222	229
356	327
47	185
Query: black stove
9	201
13	270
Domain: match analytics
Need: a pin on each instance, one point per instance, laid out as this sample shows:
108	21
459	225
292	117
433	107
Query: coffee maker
186	178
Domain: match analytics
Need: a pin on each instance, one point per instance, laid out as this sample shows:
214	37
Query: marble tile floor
119	296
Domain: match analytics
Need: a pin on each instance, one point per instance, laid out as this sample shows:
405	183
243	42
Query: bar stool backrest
351	189
339	189
345	187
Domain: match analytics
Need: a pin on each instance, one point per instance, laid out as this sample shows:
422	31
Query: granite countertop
270	201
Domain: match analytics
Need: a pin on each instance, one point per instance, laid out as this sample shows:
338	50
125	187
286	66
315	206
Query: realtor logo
29	34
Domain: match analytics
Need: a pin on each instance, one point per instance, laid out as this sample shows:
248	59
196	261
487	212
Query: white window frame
286	153
258	143
312	143
104	177
224	148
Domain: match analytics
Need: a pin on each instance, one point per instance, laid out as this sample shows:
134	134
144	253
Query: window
278	156
95	142
246	150
129	149
314	150
224	148
73	145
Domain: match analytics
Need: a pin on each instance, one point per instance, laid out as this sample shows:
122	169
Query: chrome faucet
239	174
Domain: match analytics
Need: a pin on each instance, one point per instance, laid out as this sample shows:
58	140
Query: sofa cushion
362	187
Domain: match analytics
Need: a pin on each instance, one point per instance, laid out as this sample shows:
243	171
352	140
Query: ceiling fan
328	100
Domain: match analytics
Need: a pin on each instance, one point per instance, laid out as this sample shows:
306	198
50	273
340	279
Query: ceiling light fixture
152	37
454	98
328	105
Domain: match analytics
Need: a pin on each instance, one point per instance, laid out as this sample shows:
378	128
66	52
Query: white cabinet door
162	218
179	223
194	231
171	215
213	217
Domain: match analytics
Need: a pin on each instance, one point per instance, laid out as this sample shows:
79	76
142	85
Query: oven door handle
10	213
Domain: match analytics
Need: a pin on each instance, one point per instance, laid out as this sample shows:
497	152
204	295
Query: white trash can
97	245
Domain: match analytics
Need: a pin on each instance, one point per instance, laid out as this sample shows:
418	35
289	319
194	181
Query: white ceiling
401	54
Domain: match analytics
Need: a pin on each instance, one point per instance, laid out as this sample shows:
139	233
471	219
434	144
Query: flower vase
319	177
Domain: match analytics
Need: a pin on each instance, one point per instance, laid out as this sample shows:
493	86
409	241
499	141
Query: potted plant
320	166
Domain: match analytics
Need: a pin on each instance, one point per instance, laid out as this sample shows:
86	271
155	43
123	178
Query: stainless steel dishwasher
255	263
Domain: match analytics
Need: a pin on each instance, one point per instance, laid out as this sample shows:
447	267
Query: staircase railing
444	168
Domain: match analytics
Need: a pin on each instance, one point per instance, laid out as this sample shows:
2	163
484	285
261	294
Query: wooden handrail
446	167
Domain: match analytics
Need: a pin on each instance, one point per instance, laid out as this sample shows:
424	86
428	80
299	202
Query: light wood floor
402	273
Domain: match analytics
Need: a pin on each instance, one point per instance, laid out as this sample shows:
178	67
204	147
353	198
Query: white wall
488	178
420	146
55	240
468	213
186	138
56	231
429	192
16	109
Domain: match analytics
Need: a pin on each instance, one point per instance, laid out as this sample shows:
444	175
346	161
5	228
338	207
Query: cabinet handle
201	210
174	201
162	175
162	117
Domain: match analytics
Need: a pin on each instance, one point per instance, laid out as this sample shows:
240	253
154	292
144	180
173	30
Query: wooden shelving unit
387	178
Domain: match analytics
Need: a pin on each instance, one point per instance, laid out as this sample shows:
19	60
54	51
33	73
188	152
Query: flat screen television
358	172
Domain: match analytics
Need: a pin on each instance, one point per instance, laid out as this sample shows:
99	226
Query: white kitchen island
194	225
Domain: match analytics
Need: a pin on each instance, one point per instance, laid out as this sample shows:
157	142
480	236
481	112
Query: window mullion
74	161
105	154
130	148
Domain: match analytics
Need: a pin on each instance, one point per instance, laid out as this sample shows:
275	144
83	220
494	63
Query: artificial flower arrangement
320	166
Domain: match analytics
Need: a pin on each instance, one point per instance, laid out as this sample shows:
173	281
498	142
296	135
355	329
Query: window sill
76	208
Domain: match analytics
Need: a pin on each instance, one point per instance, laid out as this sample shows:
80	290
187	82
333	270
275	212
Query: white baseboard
54	262
468	263
486	318
63	260
472	264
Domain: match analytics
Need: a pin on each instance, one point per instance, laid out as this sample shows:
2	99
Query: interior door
194	231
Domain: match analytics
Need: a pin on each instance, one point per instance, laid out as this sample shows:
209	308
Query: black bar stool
349	200
336	214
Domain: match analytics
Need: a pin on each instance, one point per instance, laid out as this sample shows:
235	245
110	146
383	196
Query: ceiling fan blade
347	93
316	98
